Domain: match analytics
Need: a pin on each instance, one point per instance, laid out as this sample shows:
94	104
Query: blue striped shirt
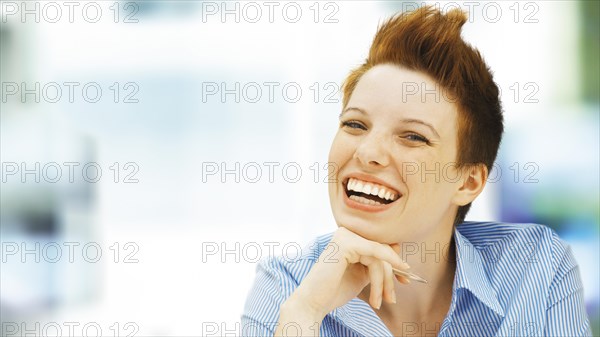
510	280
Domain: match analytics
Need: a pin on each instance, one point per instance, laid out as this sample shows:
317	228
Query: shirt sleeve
261	311
565	311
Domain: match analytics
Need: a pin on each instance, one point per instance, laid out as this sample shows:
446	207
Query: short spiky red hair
429	41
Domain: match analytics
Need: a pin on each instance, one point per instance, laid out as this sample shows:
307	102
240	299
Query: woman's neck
433	260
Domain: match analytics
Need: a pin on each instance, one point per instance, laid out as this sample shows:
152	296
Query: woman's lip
364	207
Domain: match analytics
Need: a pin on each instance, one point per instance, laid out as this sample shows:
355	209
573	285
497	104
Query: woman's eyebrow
364	112
418	121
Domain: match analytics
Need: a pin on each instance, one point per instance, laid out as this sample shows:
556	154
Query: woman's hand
347	265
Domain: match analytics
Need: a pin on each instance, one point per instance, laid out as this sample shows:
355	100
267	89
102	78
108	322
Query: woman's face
394	156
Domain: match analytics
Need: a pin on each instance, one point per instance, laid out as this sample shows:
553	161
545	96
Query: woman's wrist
298	318
302	310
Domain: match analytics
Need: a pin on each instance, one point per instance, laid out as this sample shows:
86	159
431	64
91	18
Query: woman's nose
371	151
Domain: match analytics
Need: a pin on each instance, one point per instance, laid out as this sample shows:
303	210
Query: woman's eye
417	138
354	125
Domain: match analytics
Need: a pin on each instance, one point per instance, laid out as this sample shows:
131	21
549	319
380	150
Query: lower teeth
364	200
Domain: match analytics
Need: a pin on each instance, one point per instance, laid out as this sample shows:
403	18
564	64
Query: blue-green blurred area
158	156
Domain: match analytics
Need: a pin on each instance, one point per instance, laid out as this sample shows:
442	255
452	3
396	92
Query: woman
419	131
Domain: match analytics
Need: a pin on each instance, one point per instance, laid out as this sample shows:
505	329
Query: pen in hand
409	275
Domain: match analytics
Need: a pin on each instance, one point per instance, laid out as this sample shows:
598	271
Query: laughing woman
419	131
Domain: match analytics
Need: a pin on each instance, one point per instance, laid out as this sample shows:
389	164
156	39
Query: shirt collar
470	274
360	317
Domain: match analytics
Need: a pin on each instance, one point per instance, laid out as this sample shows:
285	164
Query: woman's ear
472	182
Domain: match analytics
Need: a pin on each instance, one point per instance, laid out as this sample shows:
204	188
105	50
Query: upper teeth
371	188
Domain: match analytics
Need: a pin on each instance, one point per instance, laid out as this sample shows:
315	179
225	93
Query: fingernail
405	265
379	299
393	296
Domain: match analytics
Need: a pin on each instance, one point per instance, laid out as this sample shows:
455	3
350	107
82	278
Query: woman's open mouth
369	194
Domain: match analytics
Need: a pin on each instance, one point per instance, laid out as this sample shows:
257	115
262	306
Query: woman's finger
363	247
402	279
376	276
389	290
396	248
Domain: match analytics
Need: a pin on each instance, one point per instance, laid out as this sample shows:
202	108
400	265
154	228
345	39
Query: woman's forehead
397	93
409	85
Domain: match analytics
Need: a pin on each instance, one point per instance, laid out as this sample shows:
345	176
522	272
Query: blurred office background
164	130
